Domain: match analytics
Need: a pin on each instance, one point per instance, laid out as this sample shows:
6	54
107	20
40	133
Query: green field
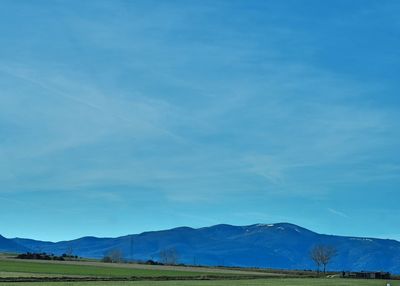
85	270
45	272
257	282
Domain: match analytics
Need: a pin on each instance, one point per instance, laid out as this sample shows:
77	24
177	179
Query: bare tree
322	255
315	256
113	255
169	256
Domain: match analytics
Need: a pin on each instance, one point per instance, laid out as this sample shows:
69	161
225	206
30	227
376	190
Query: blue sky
118	117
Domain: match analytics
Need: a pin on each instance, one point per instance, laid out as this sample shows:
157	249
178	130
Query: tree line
46	256
167	256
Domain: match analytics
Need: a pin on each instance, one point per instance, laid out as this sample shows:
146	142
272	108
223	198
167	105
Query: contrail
81	101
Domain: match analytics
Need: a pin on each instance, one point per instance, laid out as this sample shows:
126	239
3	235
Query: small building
366	275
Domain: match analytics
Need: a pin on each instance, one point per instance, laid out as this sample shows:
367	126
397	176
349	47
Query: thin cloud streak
338	213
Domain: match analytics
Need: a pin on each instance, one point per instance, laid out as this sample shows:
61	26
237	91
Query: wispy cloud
338	213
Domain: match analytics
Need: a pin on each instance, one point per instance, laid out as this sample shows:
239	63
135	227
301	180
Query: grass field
87	270
45	271
257	282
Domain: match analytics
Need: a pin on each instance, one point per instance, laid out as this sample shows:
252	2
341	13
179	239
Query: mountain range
281	245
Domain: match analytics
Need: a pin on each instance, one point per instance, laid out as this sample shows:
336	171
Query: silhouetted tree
114	256
322	255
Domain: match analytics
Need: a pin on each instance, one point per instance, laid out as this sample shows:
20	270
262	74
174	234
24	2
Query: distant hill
280	245
8	245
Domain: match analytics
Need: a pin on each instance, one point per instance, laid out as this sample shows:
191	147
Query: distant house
366	275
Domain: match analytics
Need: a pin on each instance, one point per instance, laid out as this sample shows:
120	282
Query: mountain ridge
277	245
